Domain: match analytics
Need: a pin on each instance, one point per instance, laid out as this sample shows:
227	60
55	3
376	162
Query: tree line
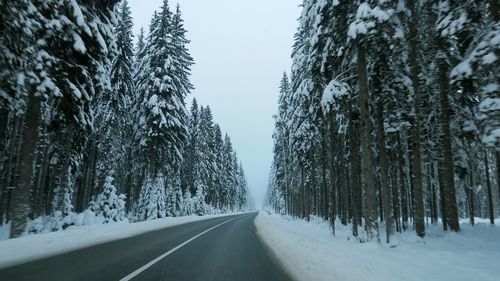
390	116
92	124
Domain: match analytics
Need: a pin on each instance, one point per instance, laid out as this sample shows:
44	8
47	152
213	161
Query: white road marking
149	264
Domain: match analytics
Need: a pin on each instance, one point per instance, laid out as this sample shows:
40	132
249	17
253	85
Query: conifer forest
94	124
270	140
390	115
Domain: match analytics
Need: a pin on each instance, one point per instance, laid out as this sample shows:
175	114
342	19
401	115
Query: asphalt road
216	249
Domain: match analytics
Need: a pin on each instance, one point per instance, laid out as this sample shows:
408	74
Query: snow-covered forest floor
308	251
32	247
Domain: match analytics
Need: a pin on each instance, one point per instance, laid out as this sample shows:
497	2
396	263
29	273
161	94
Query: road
216	249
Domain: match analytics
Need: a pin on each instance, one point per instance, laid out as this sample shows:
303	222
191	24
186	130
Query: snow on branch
366	19
333	92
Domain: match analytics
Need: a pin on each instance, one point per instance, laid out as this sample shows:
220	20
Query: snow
101	41
48	85
491	138
153	100
33	247
489	58
462	70
77	13
367	18
490	88
4	231
109	205
356	28
450	26
309	251
79	45
490	105
76	91
333	91
469	126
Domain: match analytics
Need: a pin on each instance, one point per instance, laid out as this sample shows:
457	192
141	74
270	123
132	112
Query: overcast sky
241	49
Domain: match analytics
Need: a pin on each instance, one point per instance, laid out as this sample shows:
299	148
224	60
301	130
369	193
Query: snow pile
108	207
59	221
4	231
309	252
33	247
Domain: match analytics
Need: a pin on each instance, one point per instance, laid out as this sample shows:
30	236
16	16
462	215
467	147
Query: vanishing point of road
217	249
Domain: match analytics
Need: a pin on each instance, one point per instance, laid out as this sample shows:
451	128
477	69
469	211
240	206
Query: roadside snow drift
37	246
309	251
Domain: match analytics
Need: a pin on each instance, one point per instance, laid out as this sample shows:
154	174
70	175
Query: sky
241	49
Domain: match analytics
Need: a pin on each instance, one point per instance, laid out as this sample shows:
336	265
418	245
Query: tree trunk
434	205
470	195
355	174
446	148
40	195
442	197
62	175
14	155
303	189
416	162
497	153
384	172
20	195
366	157
402	183
488	186
333	188
396	209
324	183
342	189
4	124
494	10
127	181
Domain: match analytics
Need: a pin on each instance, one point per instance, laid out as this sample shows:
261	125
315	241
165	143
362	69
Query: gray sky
241	49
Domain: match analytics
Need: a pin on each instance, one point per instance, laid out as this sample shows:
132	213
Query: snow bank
4	231
308	251
33	247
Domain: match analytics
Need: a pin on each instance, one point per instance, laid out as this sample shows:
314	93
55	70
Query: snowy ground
32	247
4	231
309	252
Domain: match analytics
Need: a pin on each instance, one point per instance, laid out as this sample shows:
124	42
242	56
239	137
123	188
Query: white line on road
149	264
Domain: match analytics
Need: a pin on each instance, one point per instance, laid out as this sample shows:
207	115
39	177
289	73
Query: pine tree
182	59
122	69
152	200
218	144
191	156
109	205
163	115
228	174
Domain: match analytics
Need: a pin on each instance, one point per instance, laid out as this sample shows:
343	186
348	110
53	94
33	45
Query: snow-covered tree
388	106
152	200
163	116
109	204
57	86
